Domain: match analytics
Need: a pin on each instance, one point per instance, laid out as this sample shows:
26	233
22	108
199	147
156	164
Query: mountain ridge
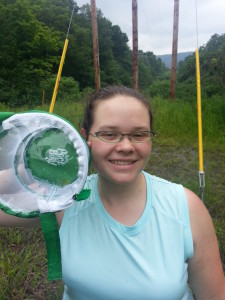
166	58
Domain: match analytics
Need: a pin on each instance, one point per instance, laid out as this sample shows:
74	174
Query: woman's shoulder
159	181
168	198
199	215
165	190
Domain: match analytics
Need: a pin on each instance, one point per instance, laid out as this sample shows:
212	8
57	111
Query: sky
198	21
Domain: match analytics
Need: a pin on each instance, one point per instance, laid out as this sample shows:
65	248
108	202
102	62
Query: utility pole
95	45
174	50
135	44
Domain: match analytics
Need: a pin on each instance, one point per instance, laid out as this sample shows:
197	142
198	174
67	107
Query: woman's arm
7	220
205	268
59	217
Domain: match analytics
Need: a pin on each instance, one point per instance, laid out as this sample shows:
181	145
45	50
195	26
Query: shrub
69	89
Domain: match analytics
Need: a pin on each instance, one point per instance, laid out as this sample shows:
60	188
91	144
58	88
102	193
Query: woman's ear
85	136
83	133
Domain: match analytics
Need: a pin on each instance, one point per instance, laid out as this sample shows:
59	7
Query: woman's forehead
121	109
119	102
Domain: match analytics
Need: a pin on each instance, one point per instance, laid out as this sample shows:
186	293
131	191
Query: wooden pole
95	45
43	98
174	50
135	44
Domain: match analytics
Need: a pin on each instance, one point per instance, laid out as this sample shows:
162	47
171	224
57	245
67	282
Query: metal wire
196	20
71	17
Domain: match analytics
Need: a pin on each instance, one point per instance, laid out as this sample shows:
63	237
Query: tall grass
176	122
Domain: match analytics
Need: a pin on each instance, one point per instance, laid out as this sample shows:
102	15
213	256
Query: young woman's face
123	161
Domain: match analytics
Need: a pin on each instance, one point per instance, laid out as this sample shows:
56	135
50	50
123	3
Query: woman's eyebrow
117	128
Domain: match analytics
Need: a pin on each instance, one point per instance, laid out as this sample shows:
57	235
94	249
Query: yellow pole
199	112
58	76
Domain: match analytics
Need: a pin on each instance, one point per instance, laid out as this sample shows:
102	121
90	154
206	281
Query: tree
150	68
212	67
29	50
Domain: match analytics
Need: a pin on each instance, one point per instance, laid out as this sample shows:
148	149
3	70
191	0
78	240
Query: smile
121	162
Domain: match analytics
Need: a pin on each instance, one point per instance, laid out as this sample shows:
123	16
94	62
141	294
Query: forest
32	38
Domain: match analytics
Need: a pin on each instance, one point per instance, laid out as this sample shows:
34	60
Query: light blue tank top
105	260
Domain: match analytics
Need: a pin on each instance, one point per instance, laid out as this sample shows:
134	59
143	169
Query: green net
51	156
43	163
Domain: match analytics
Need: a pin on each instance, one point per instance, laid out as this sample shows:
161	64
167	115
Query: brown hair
106	94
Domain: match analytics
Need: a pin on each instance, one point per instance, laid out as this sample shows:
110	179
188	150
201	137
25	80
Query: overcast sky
155	22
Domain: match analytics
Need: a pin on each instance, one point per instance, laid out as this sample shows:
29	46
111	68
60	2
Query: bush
160	88
69	89
15	98
186	91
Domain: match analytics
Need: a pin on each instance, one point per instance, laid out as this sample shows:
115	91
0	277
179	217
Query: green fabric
5	115
7	210
51	235
83	195
52	157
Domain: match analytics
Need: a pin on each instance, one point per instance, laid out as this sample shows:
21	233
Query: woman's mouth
122	162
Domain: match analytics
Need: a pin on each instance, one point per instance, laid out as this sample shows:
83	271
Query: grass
176	122
23	265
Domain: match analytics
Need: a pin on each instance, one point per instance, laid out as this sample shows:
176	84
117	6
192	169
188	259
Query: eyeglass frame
96	134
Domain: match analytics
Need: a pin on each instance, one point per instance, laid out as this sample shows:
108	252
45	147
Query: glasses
115	137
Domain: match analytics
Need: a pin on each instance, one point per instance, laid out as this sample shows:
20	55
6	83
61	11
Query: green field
23	268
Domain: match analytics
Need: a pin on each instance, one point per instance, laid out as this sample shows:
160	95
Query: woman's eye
109	134
139	134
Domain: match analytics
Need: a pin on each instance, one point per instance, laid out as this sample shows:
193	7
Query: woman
137	236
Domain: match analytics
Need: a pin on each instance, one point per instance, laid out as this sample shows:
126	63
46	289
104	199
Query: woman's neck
125	202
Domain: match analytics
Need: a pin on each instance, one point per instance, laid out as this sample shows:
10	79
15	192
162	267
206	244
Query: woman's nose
125	144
